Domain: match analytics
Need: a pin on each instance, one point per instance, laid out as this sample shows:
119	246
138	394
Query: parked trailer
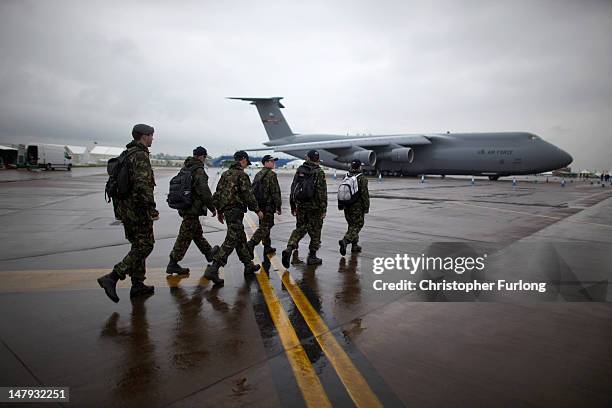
49	157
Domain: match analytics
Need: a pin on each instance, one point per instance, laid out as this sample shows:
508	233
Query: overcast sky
74	72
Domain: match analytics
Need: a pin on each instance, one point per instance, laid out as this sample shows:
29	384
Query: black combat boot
173	267
212	273
343	243
355	248
250	268
210	255
109	284
286	256
140	289
251	248
312	259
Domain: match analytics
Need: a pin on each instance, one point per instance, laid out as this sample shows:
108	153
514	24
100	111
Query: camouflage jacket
234	190
271	189
141	200
319	202
364	194
200	192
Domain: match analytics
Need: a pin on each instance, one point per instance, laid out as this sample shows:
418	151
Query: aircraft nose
564	158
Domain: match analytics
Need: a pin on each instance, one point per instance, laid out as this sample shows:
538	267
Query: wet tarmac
314	336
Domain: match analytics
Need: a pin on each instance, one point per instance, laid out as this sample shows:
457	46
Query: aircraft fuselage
484	154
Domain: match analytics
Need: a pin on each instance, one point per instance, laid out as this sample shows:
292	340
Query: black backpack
119	183
179	194
259	191
303	189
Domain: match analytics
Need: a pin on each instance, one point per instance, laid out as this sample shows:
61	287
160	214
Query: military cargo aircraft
493	154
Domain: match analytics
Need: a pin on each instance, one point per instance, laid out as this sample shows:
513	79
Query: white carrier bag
348	191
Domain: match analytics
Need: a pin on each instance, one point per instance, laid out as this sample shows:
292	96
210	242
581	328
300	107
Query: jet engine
367	157
400	154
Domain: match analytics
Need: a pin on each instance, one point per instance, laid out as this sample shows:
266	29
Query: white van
48	157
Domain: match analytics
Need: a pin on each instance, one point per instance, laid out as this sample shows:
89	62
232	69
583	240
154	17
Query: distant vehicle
48	156
479	154
563	172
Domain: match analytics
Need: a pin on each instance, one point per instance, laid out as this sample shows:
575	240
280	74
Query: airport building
168	162
79	154
101	154
294	164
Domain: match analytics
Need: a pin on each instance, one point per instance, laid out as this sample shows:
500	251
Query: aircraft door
517	165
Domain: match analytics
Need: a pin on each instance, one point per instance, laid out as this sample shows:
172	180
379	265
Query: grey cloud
76	71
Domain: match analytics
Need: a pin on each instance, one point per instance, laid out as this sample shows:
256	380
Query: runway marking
535	215
593	195
356	386
61	279
310	386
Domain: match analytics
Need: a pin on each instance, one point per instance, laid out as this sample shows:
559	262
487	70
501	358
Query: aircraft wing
260	149
338	144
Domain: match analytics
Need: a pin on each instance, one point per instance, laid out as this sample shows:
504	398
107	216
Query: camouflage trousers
234	239
354	216
262	234
191	230
140	235
307	221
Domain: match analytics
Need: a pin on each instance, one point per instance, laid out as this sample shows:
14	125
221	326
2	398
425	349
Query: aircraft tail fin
271	116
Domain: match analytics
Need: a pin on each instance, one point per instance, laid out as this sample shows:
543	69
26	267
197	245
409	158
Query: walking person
232	198
200	202
354	199
137	211
308	201
268	194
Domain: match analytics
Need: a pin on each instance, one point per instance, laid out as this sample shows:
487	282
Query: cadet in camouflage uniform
354	213
309	214
231	199
137	213
272	195
191	229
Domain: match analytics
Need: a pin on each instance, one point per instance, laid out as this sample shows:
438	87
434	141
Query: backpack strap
266	174
237	181
129	152
195	167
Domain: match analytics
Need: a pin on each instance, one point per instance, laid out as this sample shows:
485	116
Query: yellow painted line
310	386
534	215
62	279
308	381
44	280
356	386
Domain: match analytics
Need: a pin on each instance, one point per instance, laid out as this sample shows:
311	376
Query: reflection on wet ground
138	373
194	344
